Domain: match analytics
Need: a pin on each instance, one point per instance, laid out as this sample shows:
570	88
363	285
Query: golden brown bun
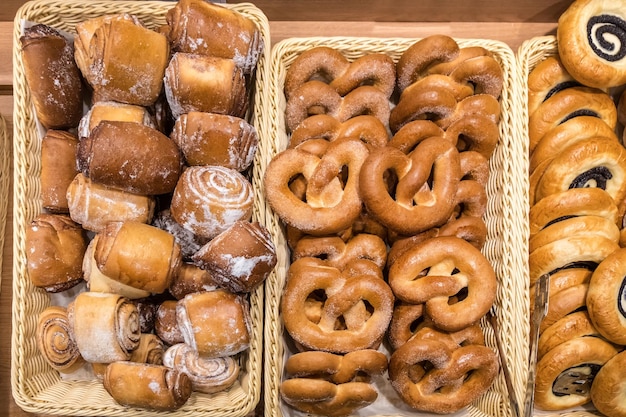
576	324
53	78
56	342
215	323
591	42
607	389
105	326
208	199
166	324
240	258
55	247
574	226
154	387
138	255
113	111
206	84
58	168
93	205
190	279
582	356
215	139
606	298
546	79
131	157
121	59
201	27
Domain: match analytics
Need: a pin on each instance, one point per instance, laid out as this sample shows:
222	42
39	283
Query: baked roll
138	255
189	242
93	205
201	27
190	279
149	386
208	199
114	111
58	168
149	350
99	282
121	59
56	342
208	375
215	323
205	83
105	326
166	323
240	258
215	139
608	387
52	76
55	247
131	157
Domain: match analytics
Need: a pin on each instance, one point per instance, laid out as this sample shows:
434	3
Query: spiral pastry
208	199
105	326
55	341
207	375
150	350
591	39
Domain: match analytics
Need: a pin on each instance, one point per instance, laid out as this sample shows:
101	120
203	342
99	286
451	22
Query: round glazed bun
609	387
592	42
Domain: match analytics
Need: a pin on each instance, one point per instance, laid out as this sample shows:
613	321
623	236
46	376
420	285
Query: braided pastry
317	97
332	67
332	385
367	128
339	253
591	39
345	323
317	213
442	373
416	205
435	270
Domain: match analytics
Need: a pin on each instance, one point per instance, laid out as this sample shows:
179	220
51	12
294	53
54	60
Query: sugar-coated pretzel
407	319
476	132
316	97
474	166
415	206
329	206
412	133
433	372
366	127
339	253
437	269
345	324
331	66
483	73
470	200
425	54
355	366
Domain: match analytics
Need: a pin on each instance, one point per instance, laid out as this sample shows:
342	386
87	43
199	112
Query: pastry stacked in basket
146	199
381	191
577	201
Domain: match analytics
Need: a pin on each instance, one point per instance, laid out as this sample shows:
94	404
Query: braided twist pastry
440	372
336	311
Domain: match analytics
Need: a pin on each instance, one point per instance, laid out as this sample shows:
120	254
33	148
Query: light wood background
510	22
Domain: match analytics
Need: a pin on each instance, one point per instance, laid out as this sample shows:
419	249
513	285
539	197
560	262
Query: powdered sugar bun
56	342
208	199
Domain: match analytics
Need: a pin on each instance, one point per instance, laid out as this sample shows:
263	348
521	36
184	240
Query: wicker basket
505	219
5	180
530	53
35	385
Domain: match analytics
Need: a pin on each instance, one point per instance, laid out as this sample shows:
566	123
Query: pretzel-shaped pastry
475	132
331	66
416	206
436	269
366	127
324	193
412	133
345	295
358	365
319	397
436	372
316	97
338	253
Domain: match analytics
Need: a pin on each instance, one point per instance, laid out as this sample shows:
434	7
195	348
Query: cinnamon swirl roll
56	342
105	326
207	375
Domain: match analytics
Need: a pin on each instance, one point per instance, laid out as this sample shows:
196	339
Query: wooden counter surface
512	33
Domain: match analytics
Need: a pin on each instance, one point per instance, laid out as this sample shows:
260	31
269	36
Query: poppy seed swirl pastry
591	39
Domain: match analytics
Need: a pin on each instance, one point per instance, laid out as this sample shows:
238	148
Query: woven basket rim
513	266
35	387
